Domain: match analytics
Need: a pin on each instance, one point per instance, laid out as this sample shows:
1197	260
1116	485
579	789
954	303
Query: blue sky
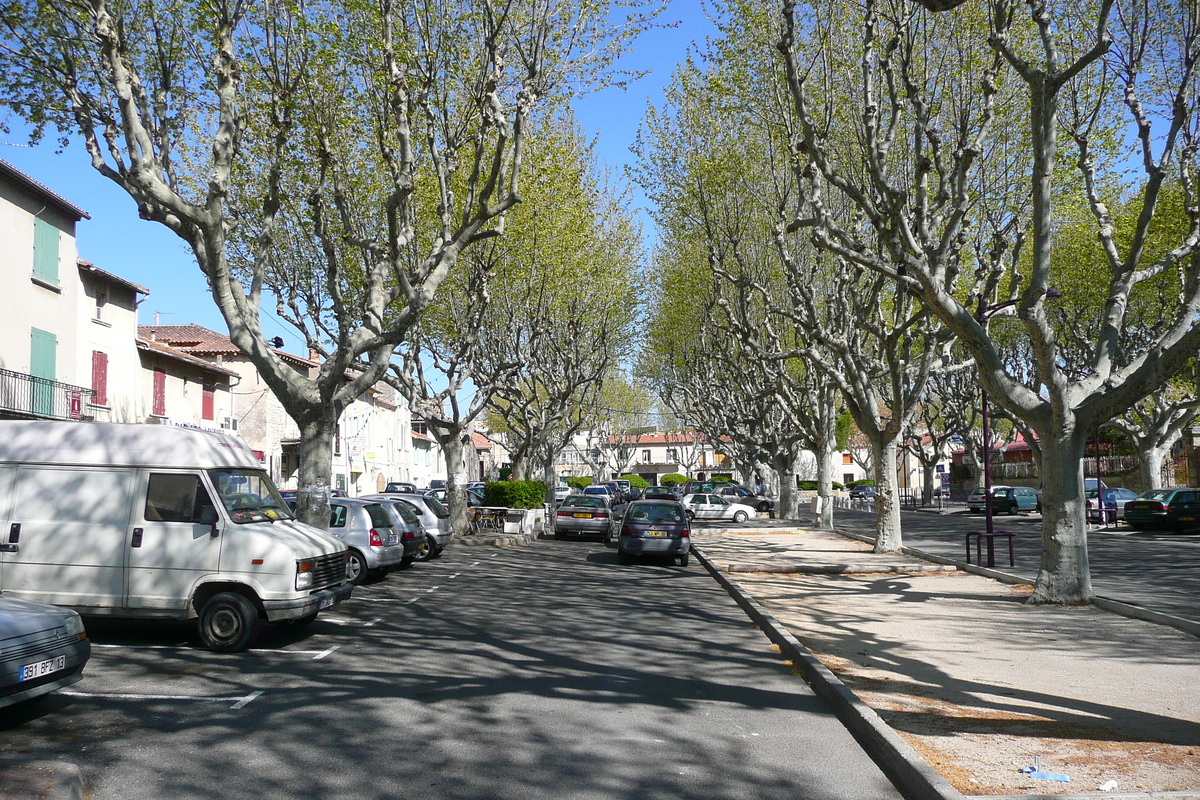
117	241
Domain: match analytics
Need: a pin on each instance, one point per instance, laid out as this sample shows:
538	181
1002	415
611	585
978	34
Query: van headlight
304	580
74	625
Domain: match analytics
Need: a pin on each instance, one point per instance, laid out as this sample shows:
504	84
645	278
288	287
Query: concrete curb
841	569
496	540
911	774
39	780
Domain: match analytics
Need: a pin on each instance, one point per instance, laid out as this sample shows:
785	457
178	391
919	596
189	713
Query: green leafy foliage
579	483
636	481
514	494
673	479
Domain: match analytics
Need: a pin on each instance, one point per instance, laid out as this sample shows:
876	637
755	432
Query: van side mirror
208	516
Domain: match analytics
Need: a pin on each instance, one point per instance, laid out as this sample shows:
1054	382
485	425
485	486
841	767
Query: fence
28	395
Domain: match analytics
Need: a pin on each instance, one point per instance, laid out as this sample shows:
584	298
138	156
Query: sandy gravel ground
978	682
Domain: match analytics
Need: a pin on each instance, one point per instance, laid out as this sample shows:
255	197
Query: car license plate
583	516
1187	519
324	603
392	538
657	534
31	671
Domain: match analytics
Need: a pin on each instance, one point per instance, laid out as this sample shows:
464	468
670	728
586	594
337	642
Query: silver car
435	517
584	514
416	542
365	526
42	648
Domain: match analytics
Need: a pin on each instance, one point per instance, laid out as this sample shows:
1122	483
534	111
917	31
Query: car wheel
740	516
436	552
763	507
356	568
228	622
691	515
684	559
559	535
1137	526
424	551
1012	510
407	562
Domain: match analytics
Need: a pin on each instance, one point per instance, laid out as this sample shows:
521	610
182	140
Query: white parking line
324	653
352	622
432	589
455	575
255	651
476	563
410	602
238	702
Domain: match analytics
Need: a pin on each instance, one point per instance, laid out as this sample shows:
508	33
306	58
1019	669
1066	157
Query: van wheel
356	568
229	622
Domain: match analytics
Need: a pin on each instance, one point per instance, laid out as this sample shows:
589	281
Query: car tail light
602	514
376	539
565	513
408	535
686	533
627	531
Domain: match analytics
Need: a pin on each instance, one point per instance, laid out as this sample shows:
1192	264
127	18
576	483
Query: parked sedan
713	506
747	497
42	648
659	493
654	527
1113	498
435	517
373	544
1161	508
583	515
863	491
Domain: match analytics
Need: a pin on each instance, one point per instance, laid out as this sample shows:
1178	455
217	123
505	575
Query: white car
713	506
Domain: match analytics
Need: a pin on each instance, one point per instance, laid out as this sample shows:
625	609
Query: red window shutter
159	400
100	378
206	411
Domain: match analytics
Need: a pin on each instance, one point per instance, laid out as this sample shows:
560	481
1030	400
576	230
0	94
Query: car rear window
407	512
435	505
589	502
379	516
656	513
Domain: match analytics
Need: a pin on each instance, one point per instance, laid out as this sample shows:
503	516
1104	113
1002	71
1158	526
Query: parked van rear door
65	535
173	539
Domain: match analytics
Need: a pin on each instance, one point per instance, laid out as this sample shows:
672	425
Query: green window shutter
43	353
45	251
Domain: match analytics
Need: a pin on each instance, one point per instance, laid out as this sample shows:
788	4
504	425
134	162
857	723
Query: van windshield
248	495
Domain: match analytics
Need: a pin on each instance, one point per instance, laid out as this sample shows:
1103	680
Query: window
207	403
100	378
177	498
45	252
337	516
645	456
158	403
672	455
101	302
847	459
337	440
847	478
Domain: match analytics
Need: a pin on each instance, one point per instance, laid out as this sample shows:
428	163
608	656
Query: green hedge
811	486
579	484
863	482
514	494
673	479
636	481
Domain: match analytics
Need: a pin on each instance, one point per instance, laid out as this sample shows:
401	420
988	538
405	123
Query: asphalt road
545	671
1153	569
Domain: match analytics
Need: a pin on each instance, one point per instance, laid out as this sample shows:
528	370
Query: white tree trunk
888	538
316	463
824	515
1151	466
1063	576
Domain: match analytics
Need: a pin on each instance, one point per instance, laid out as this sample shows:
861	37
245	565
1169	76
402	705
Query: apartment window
100	378
158	403
208	402
846	459
337	440
672	455
45	252
101	302
645	456
847	477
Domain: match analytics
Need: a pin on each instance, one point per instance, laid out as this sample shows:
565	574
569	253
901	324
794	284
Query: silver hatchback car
434	516
365	526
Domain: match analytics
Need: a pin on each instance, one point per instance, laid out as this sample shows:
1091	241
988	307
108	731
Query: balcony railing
30	396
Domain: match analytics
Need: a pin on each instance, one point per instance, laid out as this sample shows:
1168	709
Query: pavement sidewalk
955	685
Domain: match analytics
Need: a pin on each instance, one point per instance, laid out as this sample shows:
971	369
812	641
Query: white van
156	521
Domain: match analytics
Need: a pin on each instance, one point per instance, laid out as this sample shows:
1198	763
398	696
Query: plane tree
335	159
932	113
